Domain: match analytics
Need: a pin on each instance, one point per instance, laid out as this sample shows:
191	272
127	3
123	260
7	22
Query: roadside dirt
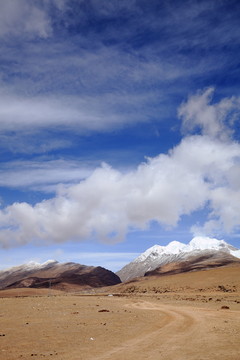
73	327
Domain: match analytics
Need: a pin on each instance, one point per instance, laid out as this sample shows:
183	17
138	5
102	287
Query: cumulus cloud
200	170
214	120
225	214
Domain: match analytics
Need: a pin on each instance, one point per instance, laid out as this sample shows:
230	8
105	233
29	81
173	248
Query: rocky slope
207	260
58	276
182	257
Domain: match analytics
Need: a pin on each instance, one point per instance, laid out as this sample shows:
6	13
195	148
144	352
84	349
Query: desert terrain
188	316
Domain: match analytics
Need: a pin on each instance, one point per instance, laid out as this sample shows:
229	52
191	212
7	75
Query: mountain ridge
176	252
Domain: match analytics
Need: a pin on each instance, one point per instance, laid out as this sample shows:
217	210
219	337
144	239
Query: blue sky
119	127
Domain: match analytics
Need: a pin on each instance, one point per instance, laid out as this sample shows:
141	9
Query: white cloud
135	85
202	170
83	113
23	17
225	214
43	175
24	143
108	202
214	120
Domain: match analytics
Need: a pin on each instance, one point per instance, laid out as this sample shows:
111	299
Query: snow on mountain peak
198	243
36	265
175	247
153	251
206	243
33	265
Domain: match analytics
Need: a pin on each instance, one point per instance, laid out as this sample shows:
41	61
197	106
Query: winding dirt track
184	333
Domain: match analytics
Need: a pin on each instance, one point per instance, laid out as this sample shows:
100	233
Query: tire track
175	327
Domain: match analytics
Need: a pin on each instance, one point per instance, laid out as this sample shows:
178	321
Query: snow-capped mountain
175	251
32	265
18	272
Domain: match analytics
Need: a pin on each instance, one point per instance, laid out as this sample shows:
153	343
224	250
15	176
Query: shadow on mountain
195	263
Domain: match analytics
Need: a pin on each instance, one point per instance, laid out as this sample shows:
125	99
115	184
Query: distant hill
66	276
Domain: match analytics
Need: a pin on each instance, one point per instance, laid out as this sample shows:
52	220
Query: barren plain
190	316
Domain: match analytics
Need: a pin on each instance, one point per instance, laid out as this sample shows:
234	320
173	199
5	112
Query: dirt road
183	333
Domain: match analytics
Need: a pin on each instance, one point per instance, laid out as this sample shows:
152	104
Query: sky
119	127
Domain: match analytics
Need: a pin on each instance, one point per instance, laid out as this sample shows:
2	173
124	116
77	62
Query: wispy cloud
99	66
93	113
215	120
51	116
24	18
18	142
43	175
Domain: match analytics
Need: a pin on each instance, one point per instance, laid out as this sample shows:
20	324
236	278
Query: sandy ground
182	325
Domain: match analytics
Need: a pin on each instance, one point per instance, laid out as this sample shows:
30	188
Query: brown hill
66	276
218	281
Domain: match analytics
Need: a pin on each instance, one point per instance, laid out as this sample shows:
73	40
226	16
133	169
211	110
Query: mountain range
200	253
